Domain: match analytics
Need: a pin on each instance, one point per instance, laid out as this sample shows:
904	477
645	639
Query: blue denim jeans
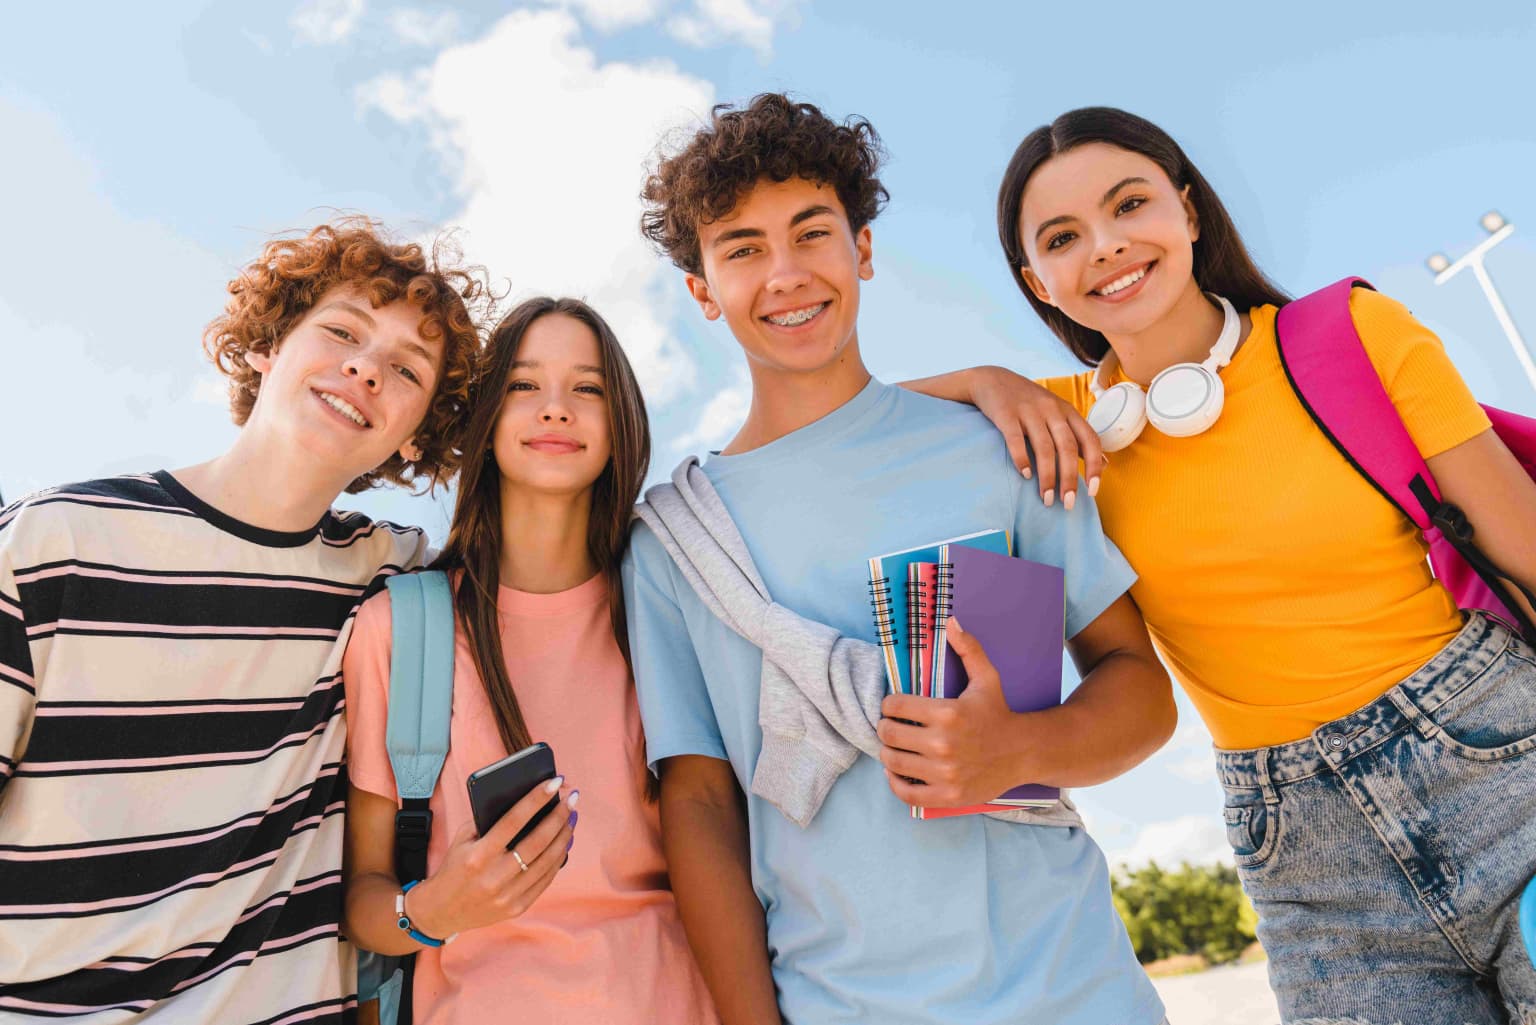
1386	853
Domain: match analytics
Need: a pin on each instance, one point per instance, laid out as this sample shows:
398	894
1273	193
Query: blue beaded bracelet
404	921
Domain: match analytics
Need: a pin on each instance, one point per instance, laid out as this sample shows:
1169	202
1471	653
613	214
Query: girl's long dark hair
1222	263
474	540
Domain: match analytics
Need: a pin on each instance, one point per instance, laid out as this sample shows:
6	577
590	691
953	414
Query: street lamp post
1498	230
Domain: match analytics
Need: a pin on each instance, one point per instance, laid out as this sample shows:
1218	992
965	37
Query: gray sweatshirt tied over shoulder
821	691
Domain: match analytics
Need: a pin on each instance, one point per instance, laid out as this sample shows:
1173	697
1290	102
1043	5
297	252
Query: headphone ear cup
1119	416
1185	400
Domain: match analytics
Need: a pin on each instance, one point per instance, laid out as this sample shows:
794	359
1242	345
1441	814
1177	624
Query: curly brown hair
774	138
275	291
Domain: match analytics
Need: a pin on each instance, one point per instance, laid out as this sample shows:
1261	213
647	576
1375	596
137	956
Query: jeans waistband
1332	744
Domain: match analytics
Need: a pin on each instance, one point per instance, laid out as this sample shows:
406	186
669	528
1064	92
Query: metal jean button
1334	741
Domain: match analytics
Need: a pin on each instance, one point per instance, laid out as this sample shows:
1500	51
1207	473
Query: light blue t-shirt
874	916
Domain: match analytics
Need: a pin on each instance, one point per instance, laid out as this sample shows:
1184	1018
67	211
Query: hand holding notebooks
1016	609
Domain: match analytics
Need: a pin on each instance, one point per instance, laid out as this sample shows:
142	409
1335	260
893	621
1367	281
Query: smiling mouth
795	318
343	407
557	446
1124	281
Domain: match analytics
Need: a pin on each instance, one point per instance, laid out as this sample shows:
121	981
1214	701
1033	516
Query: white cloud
712	22
98	362
211	390
1188	755
417	27
612	15
701	23
1197	839
547	149
719	418
325	22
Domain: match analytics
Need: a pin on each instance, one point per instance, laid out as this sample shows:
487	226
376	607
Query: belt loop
1261	763
1422	724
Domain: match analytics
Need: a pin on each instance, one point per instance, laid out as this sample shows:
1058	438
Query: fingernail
1069	498
1093	487
954	624
569	844
575	796
1027	472
1050	497
571	821
554	784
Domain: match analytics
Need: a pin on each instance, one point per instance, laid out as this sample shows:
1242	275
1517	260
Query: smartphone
494	789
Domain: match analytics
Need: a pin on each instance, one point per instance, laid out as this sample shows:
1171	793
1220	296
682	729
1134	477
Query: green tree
1195	909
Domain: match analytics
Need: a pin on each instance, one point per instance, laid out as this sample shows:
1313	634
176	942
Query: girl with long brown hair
1376	744
556	449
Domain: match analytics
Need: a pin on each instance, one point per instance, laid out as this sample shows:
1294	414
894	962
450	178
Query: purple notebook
1017	610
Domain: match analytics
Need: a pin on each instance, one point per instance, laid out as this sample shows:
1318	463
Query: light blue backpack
420	701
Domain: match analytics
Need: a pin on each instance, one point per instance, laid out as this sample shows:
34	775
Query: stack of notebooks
1014	607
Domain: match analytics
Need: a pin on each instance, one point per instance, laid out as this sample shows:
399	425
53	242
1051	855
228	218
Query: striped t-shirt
171	738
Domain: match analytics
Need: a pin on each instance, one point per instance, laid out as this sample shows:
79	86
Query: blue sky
149	149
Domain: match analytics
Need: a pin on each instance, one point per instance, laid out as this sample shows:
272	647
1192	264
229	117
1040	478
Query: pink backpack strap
1337	383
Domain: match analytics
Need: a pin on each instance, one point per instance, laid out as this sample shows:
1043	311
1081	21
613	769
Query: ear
1035	285
1191	213
261	362
409	452
699	289
863	244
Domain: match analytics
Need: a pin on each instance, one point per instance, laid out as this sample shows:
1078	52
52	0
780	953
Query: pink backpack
1337	384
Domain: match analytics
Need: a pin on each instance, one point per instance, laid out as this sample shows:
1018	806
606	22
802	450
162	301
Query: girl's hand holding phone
481	882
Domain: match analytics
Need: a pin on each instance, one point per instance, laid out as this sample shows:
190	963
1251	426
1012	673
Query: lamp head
1438	262
1492	221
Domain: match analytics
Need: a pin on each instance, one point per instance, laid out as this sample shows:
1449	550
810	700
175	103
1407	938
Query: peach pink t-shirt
604	944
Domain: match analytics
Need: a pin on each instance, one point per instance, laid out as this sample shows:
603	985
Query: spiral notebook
1017	610
922	601
889	587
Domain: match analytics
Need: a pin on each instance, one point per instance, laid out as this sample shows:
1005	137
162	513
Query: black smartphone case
494	789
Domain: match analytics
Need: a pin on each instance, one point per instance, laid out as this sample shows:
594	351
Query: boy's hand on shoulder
952	752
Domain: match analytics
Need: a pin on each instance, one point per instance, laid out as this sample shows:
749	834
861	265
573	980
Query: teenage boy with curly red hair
862	913
171	737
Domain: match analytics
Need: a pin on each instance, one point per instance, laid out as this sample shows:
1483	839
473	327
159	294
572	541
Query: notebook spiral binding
880	601
943	591
917	608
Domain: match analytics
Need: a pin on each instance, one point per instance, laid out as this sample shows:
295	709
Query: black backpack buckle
412	828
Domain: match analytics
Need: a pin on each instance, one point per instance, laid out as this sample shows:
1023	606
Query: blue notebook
888	594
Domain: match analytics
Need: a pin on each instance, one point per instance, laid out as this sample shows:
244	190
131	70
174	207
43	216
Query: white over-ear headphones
1181	401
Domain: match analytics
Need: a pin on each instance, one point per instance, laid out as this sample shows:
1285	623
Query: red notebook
921	594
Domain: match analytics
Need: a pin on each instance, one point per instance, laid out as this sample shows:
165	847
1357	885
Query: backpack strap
1330	372
420	702
416	734
1332	375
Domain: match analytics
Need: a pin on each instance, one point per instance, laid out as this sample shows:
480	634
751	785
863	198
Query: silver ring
520	862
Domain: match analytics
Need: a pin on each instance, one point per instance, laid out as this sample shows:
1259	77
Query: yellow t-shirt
1280	587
